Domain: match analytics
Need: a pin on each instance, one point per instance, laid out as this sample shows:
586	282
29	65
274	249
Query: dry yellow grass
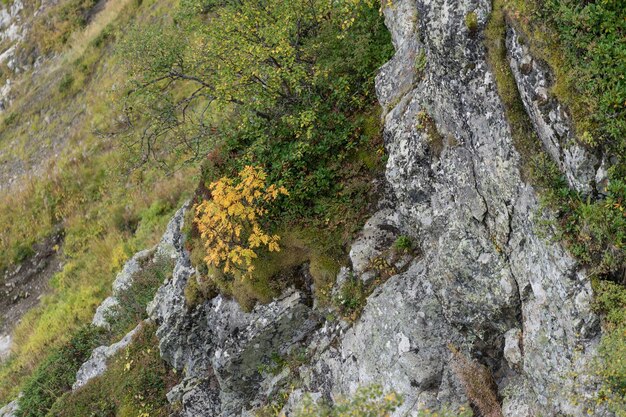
478	384
80	40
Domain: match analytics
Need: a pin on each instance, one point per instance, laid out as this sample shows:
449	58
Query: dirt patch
99	6
24	284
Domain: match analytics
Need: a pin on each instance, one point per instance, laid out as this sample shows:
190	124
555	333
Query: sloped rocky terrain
483	281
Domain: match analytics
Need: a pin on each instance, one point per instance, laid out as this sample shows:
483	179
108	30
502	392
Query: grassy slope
107	215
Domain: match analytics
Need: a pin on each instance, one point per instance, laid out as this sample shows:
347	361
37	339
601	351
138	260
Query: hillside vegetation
133	99
262	113
584	43
80	182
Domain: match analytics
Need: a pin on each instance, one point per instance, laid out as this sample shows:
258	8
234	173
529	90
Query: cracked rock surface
486	282
483	281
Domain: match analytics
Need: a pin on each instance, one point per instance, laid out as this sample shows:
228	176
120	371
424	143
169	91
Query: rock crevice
485	282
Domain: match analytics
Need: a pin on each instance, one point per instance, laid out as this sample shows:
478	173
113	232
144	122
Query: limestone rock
96	365
9	410
512	350
549	117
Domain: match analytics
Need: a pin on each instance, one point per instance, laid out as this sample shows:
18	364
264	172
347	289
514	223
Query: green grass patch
134	384
56	374
371	401
610	299
106	213
524	136
585	45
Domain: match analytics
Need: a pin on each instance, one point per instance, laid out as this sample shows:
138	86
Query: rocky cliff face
483	281
486	282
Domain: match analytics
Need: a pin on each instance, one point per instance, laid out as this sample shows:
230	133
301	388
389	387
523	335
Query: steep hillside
374	209
64	176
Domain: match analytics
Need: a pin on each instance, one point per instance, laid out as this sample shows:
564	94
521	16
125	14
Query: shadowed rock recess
484	284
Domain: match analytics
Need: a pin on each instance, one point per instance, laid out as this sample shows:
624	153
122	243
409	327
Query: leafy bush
230	221
56	374
288	98
367	402
295	99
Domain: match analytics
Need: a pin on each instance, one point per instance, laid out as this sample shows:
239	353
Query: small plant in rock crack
276	363
352	298
133	301
471	22
403	244
420	64
424	122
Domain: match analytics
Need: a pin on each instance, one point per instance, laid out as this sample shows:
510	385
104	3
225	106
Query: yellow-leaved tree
230	222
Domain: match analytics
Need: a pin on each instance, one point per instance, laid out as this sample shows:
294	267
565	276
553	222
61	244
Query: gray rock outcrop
97	362
484	271
551	120
168	247
219	347
9	410
483	281
106	311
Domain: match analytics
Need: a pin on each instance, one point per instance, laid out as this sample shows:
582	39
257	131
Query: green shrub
23	252
301	127
471	22
66	83
369	401
352	298
593	230
11	119
134	384
56	374
610	299
307	116
403	243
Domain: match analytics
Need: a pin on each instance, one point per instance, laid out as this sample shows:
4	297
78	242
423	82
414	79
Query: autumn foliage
230	223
